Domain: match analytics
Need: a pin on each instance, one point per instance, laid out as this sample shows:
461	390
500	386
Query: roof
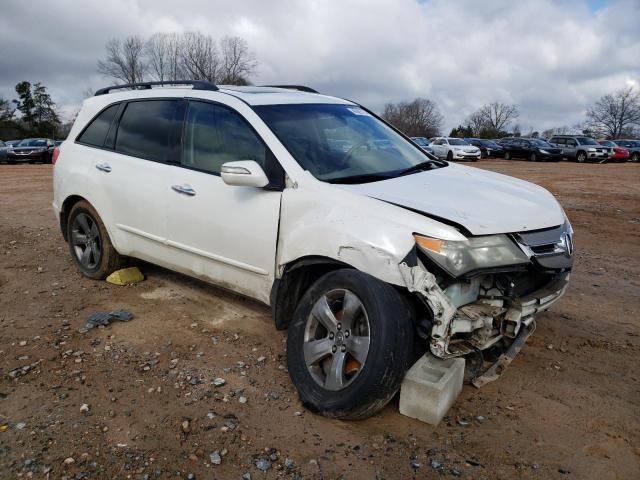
267	95
278	96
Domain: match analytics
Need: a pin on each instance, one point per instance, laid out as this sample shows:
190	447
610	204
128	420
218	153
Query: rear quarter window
96	132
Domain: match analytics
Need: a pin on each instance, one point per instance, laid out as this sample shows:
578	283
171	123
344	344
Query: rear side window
214	135
97	130
150	129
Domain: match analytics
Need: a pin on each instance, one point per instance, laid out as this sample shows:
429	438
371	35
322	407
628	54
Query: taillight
56	154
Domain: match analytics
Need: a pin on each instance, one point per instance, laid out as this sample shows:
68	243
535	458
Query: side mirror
244	173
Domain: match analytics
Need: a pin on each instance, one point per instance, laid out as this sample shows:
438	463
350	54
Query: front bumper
465	156
29	157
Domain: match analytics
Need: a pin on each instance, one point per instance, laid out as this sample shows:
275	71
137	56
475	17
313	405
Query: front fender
368	234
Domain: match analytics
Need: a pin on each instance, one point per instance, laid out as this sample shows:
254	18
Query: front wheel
349	345
89	243
635	157
581	157
507	155
450	156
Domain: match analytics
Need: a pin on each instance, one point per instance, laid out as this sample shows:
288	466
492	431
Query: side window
97	130
571	142
150	129
214	135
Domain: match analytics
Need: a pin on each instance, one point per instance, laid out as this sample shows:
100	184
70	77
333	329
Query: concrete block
431	387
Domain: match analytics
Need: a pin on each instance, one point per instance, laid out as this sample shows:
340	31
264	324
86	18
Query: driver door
221	233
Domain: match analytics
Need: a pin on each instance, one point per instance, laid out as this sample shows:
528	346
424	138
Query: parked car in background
504	140
620	154
357	252
633	146
488	148
532	149
12	143
454	149
32	150
423	143
57	143
3	151
580	148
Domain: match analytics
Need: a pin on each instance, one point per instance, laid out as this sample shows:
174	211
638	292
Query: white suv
369	250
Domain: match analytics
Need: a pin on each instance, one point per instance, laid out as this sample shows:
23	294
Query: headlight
474	253
544	151
591	149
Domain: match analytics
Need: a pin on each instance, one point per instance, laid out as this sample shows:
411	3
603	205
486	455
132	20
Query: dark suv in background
488	148
532	149
580	148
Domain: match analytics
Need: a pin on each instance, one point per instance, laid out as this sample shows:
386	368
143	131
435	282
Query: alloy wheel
86	241
336	339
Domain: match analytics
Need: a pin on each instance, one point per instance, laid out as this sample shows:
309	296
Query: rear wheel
89	243
581	157
349	345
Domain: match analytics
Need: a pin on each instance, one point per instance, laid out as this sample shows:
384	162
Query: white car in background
454	149
369	250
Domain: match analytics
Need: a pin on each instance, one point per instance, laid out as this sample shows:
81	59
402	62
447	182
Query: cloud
553	58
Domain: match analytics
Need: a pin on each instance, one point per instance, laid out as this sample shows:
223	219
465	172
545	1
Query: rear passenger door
225	234
130	175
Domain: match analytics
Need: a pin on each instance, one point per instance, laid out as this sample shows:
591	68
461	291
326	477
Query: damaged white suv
368	249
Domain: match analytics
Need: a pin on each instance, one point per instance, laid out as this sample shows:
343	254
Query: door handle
104	167
186	189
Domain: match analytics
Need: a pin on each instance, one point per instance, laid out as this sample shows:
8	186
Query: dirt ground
567	407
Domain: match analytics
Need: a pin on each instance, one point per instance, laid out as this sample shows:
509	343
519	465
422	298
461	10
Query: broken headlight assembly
473	253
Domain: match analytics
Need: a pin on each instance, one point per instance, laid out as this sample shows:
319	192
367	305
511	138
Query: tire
360	388
450	156
581	157
102	259
533	157
635	157
507	155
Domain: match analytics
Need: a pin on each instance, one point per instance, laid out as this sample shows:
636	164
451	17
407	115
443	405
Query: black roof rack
300	88
196	84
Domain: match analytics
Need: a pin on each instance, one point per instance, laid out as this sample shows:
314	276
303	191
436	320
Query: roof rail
300	88
196	84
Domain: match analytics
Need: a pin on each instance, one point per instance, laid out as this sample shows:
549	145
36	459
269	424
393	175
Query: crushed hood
483	202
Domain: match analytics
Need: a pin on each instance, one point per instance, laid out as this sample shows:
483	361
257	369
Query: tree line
32	114
179	56
615	115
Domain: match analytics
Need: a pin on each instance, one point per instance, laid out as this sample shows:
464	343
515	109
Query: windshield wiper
422	166
365	178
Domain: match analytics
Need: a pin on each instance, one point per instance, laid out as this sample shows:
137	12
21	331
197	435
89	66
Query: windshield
457	141
541	143
587	141
338	142
490	143
33	142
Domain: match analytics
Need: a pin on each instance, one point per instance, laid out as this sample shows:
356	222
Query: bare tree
125	60
164	51
200	59
238	63
493	117
419	118
615	114
477	122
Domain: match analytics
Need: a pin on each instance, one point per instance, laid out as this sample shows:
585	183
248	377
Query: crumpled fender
368	234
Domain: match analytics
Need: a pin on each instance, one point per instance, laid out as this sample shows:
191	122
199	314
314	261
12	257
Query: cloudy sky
551	57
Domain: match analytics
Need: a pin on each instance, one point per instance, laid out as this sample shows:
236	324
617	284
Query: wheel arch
66	207
297	276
